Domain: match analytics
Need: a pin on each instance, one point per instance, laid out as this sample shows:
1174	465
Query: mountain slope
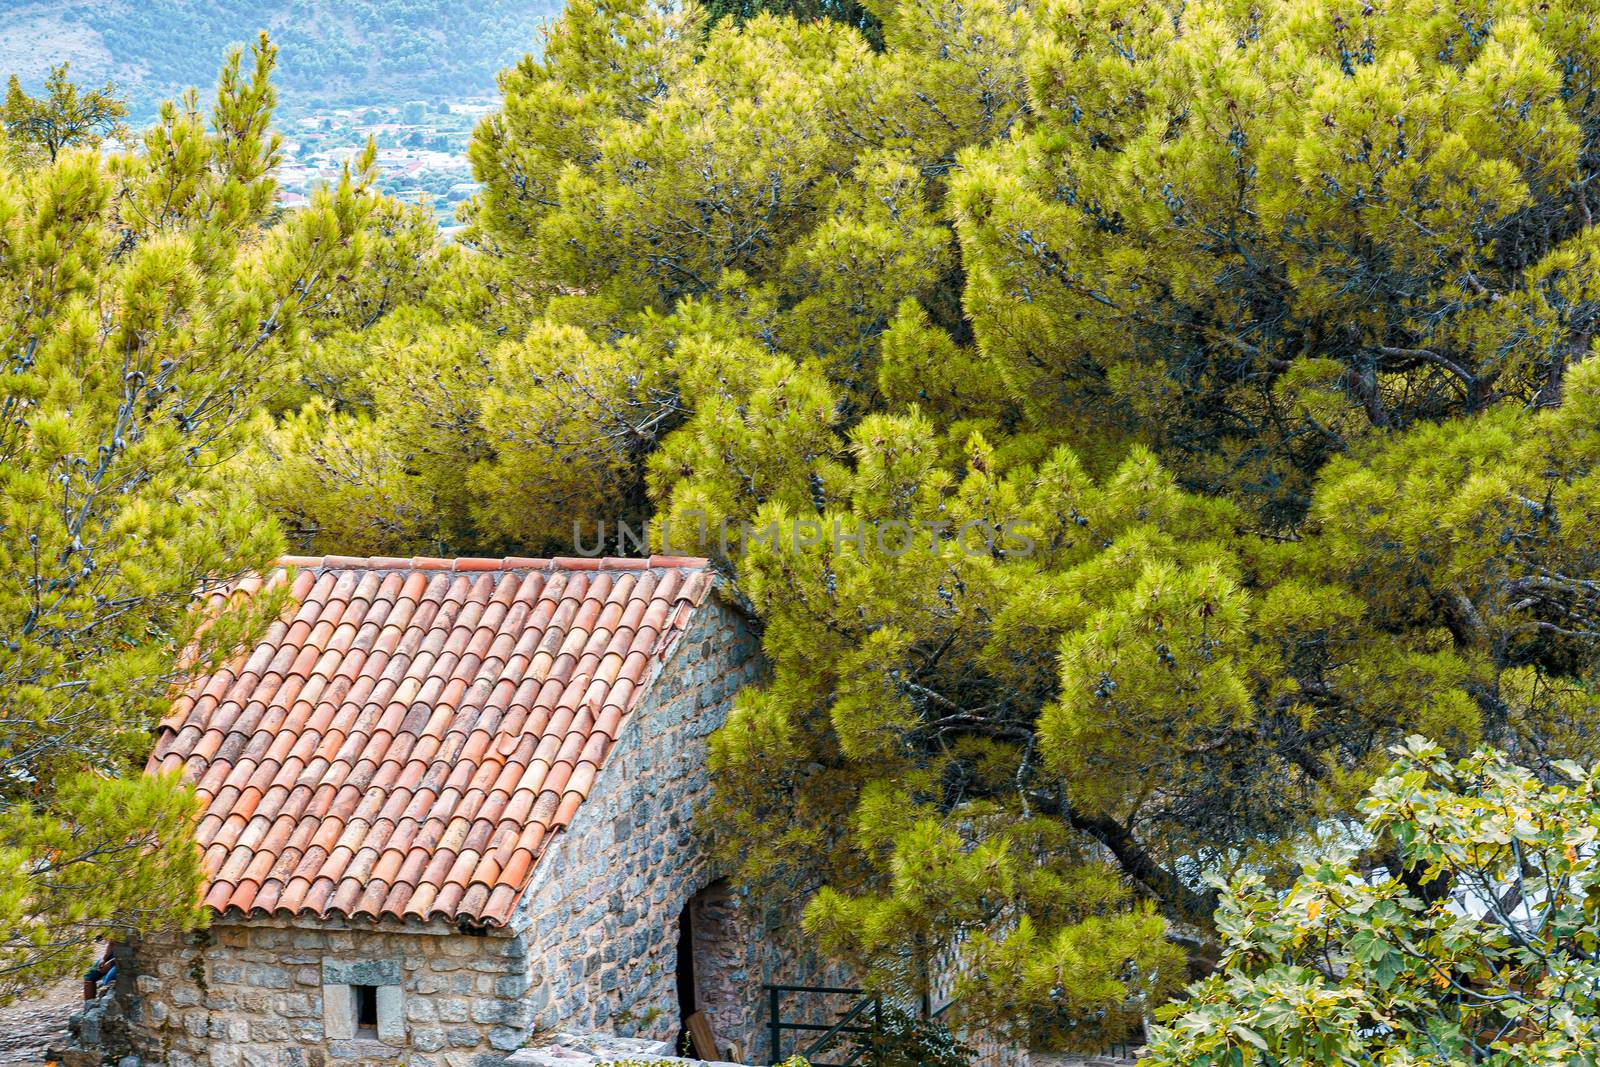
358	51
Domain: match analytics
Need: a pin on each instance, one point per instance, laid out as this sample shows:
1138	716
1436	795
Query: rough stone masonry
593	944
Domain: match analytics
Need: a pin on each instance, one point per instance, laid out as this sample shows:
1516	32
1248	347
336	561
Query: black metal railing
864	1016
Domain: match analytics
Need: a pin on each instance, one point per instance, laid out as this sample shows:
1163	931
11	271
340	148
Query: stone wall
275	993
604	908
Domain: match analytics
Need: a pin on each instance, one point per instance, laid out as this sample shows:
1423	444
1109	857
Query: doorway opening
688	1001
714	1012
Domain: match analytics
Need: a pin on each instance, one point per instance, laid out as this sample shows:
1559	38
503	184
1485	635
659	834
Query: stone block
295	1006
338	1012
391	1014
507	1038
307	1031
360	1049
463	1036
429	1039
361	972
539	998
269	1030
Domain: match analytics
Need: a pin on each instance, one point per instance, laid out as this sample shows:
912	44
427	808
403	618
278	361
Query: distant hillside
332	51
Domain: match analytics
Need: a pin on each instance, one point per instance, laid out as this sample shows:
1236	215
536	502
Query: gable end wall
603	909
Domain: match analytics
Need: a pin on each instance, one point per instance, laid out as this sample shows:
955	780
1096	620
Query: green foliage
1127	421
65	116
1476	945
147	311
900	1039
850	12
1258	236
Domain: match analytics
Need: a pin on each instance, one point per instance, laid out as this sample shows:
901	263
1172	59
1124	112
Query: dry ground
29	1026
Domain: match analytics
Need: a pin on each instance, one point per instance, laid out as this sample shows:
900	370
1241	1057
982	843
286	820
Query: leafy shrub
1479	948
901	1039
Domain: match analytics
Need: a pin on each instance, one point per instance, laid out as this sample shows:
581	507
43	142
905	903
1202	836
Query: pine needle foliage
148	309
1127	420
63	116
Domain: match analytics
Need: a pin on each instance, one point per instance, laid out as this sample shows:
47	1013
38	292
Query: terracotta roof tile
408	738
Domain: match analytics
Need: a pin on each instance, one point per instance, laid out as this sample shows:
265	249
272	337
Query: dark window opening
366	1006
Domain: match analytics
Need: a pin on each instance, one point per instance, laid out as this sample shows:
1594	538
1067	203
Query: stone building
448	805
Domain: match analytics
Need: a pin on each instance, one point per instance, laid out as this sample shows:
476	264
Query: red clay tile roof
407	739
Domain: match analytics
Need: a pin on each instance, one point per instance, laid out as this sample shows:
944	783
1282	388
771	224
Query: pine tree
147	312
65	116
1127	419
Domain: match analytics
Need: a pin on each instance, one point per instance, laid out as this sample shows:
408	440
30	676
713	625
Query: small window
366	1006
